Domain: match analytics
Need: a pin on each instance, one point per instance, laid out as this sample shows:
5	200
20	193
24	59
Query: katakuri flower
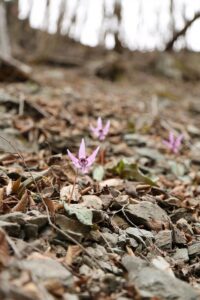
83	162
173	143
100	132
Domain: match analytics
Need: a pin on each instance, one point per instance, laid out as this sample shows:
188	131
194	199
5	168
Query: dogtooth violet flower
173	143
100	132
83	162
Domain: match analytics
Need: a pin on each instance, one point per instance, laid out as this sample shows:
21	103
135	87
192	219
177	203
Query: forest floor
132	228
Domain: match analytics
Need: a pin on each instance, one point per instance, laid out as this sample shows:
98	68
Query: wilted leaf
131	171
72	252
98	173
83	214
22	204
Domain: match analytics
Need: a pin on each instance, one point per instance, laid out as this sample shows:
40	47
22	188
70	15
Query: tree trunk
5	49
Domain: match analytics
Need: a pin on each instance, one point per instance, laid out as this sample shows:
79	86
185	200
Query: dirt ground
132	227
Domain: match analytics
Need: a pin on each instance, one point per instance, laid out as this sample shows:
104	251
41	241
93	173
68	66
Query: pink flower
83	162
99	131
174	143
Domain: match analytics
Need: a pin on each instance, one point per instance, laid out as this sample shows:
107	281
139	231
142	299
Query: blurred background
63	32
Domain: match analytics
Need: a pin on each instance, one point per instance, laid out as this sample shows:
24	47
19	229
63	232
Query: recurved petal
106	128
178	141
73	159
81	153
92	157
99	123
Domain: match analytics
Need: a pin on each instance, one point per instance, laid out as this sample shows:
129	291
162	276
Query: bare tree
5	48
181	32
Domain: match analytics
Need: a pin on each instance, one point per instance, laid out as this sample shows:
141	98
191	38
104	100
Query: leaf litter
131	228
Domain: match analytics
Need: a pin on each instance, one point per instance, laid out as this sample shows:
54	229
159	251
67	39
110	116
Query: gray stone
13	229
148	214
45	269
31	231
41	221
181	255
164	239
139	233
111	238
194	249
179	237
15	217
152	282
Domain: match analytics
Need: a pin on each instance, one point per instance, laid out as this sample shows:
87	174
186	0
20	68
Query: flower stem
74	183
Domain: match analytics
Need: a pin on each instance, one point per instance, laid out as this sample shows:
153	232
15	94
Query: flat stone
45	269
181	255
39	220
194	249
15	217
139	233
148	214
12	229
163	239
154	283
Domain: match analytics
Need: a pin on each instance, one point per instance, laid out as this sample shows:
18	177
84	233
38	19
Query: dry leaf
22	204
4	249
51	208
72	253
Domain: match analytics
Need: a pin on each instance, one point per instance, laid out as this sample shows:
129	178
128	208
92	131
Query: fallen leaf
72	252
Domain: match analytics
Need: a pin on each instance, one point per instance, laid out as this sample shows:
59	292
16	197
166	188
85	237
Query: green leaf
83	214
98	173
131	171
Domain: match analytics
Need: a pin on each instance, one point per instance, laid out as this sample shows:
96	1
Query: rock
182	224
194	249
179	237
148	214
110	238
181	255
13	229
40	221
164	239
154	283
31	231
92	201
45	269
139	233
15	217
71	227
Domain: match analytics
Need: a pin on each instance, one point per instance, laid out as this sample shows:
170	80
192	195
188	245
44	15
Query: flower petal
168	144
99	123
73	159
81	153
92	157
178	141
106	128
95	131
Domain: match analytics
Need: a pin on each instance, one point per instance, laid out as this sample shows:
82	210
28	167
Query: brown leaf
13	186
49	203
22	204
72	253
4	249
